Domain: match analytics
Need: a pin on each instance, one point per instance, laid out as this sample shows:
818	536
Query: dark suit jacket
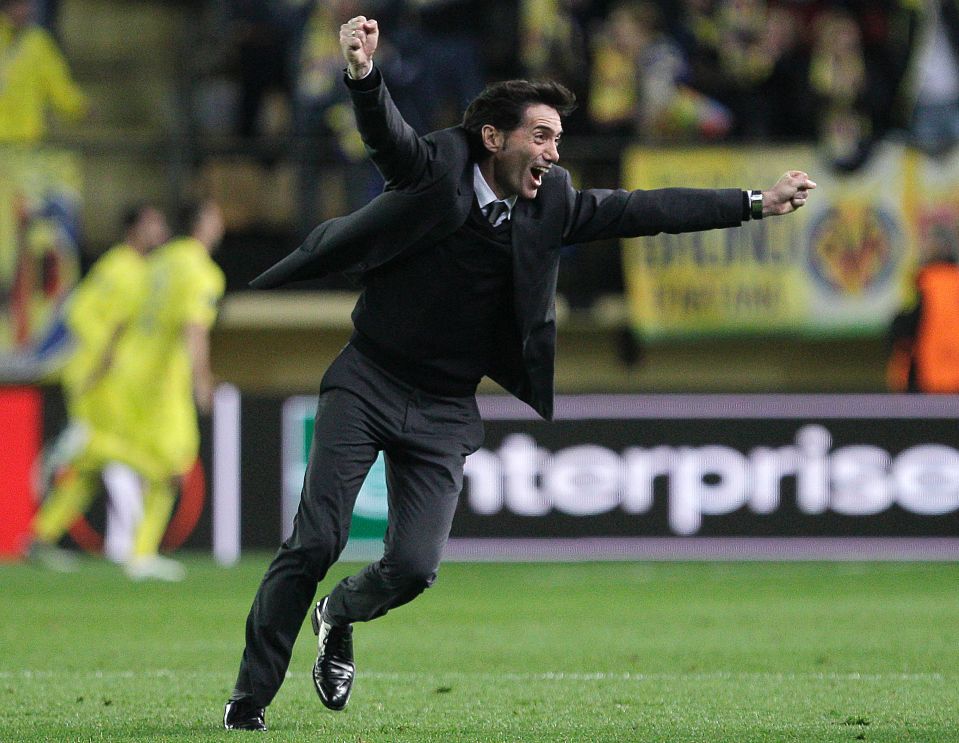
429	192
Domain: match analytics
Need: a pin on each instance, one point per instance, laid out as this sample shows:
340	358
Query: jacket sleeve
401	156
596	214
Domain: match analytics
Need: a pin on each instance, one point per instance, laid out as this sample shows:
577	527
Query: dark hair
504	104
132	213
189	214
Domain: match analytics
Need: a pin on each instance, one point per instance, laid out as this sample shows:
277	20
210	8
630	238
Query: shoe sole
315	621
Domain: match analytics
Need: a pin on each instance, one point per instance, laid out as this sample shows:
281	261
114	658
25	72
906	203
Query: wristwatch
755	204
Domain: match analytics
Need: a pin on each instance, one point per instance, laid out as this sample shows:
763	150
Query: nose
552	153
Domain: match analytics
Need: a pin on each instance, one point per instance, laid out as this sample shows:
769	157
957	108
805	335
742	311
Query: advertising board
624	476
628	467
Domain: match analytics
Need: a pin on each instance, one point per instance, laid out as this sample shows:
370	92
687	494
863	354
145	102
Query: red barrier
20	424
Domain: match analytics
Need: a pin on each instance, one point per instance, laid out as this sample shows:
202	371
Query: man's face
526	153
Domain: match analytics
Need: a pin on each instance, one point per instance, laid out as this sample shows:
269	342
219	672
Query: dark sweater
435	318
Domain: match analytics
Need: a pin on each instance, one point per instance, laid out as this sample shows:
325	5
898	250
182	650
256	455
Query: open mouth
538	172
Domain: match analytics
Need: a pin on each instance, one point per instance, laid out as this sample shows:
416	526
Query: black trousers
425	439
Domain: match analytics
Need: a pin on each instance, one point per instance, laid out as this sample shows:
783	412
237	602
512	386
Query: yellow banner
837	265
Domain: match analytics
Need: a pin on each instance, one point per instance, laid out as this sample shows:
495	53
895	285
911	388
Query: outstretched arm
395	148
595	214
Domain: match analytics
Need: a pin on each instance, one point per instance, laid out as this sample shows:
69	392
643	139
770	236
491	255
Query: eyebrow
548	129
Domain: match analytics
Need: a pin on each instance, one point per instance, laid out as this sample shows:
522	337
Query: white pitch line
505	676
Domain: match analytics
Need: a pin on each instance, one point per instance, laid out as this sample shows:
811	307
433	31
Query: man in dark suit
458	258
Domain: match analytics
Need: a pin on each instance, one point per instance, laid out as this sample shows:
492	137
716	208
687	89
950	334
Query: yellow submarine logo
853	248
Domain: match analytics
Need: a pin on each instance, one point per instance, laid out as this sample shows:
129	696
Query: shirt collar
485	195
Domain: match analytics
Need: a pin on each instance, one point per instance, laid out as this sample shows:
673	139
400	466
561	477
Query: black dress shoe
240	714
333	671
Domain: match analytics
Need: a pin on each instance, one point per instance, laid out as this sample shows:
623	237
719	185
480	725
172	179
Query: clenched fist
789	193
358	39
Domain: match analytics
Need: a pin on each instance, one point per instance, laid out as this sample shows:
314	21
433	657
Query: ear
492	138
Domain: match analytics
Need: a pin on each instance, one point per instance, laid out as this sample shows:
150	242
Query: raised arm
395	148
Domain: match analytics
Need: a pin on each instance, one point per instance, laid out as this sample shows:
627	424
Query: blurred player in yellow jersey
100	311
164	362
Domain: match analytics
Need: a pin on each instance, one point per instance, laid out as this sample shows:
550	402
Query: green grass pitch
672	652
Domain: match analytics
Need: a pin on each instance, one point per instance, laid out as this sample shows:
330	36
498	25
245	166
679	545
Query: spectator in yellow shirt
637	86
33	76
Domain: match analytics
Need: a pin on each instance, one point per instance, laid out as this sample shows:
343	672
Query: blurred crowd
842	73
